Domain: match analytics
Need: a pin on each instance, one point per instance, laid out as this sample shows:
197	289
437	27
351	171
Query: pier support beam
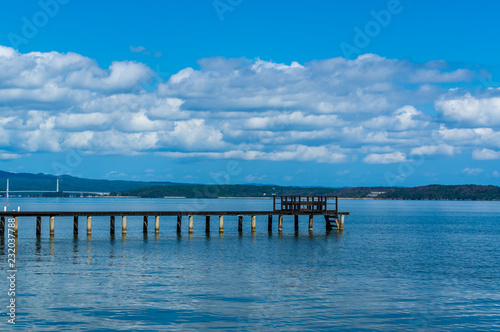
75	225
51	226
38	226
89	225
296	217
2	225
179	223
190	225
16	225
145	225
253	224
341	223
124	224
112	225
280	223
270	223
240	224
157	224
207	224
311	223
221	224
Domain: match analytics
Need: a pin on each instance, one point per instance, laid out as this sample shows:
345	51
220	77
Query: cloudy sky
329	93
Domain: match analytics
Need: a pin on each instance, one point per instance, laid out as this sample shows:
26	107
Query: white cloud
471	110
432	150
473	171
385	158
495	174
485	154
324	111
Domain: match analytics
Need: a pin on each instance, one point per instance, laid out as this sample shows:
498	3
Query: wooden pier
282	205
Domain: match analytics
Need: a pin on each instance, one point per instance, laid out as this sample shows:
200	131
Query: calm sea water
399	265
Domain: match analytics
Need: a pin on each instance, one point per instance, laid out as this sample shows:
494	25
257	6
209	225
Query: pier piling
240	224
179	223
112	225
124	224
207	224
145	225
38	226
51	226
190	225
75	225
270	223
253	224
89	225
280	223
311	217
221	224
296	218
16	225
157	224
2	225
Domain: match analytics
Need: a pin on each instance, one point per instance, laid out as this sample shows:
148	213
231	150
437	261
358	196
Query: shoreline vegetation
44	185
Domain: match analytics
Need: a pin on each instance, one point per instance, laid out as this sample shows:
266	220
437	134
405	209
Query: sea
397	266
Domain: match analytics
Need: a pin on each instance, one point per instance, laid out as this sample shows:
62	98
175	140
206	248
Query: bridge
81	192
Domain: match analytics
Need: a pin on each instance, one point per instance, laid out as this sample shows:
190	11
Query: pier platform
282	205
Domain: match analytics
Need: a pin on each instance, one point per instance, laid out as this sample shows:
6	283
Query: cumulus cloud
385	158
326	111
471	110
485	154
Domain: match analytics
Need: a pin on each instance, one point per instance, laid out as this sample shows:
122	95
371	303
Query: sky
301	93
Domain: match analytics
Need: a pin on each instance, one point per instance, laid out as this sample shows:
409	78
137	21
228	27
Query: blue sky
329	93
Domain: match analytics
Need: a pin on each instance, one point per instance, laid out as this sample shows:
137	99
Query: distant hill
432	192
27	181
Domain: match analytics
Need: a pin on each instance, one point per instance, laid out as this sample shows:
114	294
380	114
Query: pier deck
282	205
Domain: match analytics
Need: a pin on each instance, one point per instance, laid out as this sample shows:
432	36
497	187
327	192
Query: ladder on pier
332	221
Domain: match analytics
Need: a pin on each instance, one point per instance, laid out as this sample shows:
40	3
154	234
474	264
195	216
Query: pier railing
305	204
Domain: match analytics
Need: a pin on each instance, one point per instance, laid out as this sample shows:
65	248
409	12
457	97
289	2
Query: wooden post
145	225
112	225
207	224
16	225
311	223
38	226
221	224
190	225
270	223
124	224
179	223
296	222
253	223
2	225
157	224
341	224
75	225
240	224
51	226
89	225
280	223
